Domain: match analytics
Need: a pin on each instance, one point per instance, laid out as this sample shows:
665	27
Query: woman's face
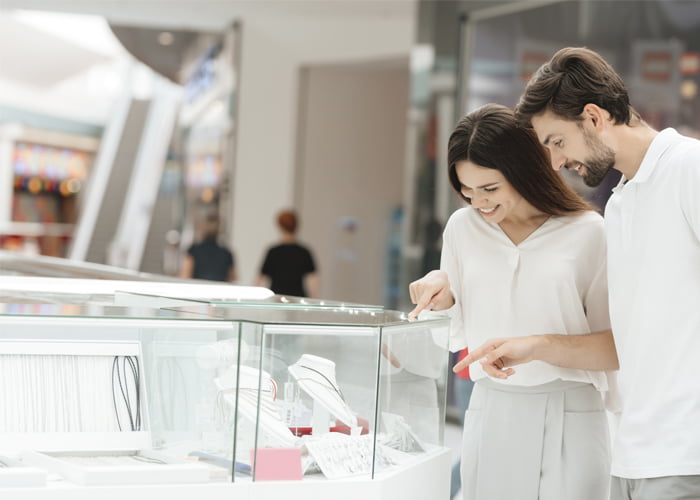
489	191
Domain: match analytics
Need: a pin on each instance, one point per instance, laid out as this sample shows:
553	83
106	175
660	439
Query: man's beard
599	162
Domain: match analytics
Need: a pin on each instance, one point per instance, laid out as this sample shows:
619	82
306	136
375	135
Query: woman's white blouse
552	282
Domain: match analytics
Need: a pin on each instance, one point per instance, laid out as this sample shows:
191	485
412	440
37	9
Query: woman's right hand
431	292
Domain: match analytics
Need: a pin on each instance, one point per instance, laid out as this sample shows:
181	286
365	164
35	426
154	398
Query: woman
527	257
289	267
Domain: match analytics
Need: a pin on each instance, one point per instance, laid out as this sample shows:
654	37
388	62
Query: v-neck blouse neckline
533	234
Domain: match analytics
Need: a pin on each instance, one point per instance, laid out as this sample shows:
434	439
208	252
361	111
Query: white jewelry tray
119	467
15	474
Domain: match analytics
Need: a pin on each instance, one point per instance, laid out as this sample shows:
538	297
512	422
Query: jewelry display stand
316	377
399	434
320	419
270	421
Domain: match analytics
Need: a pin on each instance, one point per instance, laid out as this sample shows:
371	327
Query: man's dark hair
574	77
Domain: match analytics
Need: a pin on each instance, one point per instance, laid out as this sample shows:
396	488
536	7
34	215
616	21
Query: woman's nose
479	201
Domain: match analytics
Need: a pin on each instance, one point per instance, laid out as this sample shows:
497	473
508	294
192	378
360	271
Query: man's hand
497	356
431	292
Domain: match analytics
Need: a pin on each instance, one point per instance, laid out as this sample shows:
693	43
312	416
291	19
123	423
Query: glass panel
351	316
94	387
322	375
313	384
412	392
281	301
655	50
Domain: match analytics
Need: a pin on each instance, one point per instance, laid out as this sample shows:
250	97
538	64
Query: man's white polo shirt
653	230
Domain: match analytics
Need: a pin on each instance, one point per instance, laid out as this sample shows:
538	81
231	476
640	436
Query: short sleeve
266	268
598	312
231	259
309	265
596	297
690	187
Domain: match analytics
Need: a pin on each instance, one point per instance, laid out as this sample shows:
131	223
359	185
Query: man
580	110
208	260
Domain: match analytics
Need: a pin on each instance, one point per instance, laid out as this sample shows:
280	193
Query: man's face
575	146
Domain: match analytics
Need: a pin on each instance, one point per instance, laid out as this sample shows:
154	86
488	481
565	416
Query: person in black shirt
289	268
208	260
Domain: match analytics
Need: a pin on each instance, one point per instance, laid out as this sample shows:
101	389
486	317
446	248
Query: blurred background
124	124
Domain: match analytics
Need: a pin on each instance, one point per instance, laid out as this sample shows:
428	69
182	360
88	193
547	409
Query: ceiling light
166	38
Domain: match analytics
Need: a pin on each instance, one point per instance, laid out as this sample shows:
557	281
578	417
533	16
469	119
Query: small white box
14	473
119	467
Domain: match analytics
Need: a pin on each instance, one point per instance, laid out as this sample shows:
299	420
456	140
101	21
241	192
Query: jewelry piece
316	376
331	384
255	405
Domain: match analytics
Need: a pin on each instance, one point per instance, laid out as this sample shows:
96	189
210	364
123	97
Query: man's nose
558	161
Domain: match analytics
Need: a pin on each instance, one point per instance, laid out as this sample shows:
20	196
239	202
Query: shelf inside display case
14	474
75	291
118	467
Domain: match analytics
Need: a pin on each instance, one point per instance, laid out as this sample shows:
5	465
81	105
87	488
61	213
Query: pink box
276	464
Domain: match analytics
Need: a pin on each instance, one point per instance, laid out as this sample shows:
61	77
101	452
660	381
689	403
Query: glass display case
248	397
354	391
107	292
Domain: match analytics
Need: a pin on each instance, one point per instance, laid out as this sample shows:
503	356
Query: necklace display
250	399
316	377
70	393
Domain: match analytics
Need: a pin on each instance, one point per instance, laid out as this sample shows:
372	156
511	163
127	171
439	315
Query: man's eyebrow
547	139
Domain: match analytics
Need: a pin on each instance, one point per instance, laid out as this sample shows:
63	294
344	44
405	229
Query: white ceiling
60	65
37	58
52	62
214	14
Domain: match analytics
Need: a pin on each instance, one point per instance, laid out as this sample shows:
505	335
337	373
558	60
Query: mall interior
124	124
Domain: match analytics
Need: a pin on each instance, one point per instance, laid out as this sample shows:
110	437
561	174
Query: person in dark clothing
289	268
208	260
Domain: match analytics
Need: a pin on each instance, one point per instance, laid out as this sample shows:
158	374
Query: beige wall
350	167
273	52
